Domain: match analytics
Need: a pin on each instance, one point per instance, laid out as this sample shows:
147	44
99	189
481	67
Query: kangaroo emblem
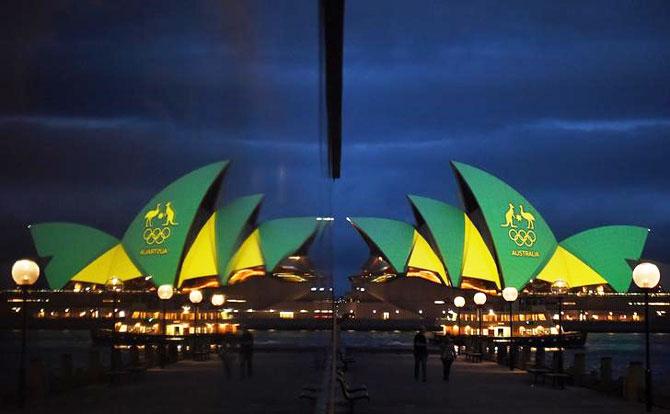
169	215
530	219
151	214
509	217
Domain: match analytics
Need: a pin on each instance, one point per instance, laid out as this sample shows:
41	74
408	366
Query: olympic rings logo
156	235
522	237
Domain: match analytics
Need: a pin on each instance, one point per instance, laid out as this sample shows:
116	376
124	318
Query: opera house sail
497	240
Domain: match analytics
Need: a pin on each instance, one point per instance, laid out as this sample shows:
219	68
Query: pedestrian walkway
197	387
201	387
473	388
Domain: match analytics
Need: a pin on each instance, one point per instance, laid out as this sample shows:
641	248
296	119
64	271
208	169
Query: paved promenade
197	387
473	388
200	387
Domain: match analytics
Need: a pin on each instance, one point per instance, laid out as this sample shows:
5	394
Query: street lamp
114	285
459	302
510	294
559	288
165	293
195	296
25	273
480	300
217	300
646	276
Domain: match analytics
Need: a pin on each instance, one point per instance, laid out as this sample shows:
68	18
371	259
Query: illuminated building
498	240
182	238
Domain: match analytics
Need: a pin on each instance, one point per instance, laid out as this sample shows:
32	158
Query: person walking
420	354
447	355
224	354
246	354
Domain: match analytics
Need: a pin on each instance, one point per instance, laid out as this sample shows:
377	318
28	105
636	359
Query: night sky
104	103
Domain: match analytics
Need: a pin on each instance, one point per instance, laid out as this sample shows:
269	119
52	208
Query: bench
351	395
557	378
117	376
201	355
473	356
537	373
136	371
345	360
309	389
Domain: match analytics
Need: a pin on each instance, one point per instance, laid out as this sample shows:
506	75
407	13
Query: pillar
95	371
579	368
605	370
540	357
633	383
525	357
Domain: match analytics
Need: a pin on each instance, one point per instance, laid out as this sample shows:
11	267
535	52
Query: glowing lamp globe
645	275
480	298
510	294
114	284
459	301
25	272
559	287
195	296
165	292
218	299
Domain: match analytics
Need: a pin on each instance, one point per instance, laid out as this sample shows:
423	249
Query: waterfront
50	345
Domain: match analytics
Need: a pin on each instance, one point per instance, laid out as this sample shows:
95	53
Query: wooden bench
351	395
136	371
473	356
201	355
557	378
308	390
345	360
118	376
538	372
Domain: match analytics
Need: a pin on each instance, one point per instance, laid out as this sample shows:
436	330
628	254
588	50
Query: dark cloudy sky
103	103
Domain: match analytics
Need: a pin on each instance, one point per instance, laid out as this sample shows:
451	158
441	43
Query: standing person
224	354
420	354
447	355
246	353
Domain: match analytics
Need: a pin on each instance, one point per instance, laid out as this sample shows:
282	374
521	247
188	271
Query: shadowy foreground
473	388
202	387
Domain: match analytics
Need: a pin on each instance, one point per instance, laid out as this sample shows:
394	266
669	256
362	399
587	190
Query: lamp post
217	300
165	293
480	300
510	294
459	302
114	285
646	276
559	288
25	273
195	296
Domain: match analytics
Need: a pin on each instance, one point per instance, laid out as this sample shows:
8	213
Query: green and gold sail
522	240
281	237
393	238
235	223
446	225
71	247
607	249
157	238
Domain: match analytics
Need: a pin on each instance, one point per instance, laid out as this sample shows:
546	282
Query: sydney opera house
185	238
180	238
497	240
